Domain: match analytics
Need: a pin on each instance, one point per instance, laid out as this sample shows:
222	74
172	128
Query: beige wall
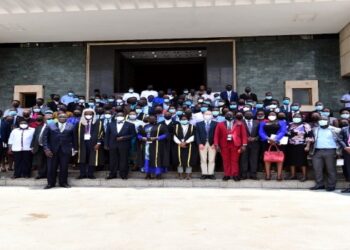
344	38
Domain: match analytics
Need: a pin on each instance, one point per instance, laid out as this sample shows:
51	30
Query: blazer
344	137
239	134
234	96
201	133
128	132
35	142
280	133
336	137
255	128
53	139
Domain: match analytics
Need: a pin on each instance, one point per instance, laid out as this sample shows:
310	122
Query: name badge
87	137
229	137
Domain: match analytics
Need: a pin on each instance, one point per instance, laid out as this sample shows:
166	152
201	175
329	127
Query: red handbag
274	156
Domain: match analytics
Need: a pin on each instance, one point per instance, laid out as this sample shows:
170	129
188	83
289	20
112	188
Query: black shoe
92	177
226	178
203	177
317	187
253	178
212	177
39	177
330	189
148	177
65	185
124	178
81	177
109	177
347	190
236	178
243	177
159	177
48	187
14	177
303	179
292	178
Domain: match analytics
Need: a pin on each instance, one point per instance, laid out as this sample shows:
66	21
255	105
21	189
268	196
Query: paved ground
173	218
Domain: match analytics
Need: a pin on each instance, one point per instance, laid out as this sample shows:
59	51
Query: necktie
207	128
229	125
87	129
61	127
250	126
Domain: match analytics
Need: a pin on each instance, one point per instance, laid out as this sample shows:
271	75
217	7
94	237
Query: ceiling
101	20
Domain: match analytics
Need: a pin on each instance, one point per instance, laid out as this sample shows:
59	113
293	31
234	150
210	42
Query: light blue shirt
325	139
66	99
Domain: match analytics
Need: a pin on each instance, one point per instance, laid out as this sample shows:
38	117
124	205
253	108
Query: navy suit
344	142
119	145
61	145
233	97
201	133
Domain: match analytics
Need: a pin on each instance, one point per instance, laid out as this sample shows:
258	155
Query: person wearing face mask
273	106
75	119
192	96
132	118
231	139
89	136
217	117
250	157
233	106
271	132
199	116
185	153
205	131
39	157
15	107
319	107
241	104
54	103
248	95
328	113
300	137
35	111
158	111
268	99
154	151
345	99
68	98
19	144
118	141
139	112
159	100
170	123
58	143
131	93
345	145
149	91
208	94
229	95
26	116
344	115
324	152
286	106
314	118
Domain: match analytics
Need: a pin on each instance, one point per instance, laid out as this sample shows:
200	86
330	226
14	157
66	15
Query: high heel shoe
267	177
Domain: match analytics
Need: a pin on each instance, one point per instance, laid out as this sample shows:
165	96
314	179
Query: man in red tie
231	139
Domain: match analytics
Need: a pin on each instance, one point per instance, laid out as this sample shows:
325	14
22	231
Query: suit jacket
35	142
234	96
53	139
201	133
344	137
53	106
127	132
254	130
238	131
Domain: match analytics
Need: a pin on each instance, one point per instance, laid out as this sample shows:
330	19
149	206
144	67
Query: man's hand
347	150
217	147
183	144
120	138
251	139
97	147
271	141
201	147
307	149
48	153
243	148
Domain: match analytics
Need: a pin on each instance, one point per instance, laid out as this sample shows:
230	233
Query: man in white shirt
346	100
149	92
131	93
20	146
16	107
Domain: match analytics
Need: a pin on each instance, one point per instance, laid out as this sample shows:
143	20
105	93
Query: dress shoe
48	187
14	177
347	190
124	178
109	177
253	178
212	177
92	177
317	187
279	178
159	177
226	178
243	177
292	178
65	185
203	177
148	177
330	189
236	178
39	177
303	179
81	177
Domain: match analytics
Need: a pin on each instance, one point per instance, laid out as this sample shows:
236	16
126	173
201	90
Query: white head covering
83	120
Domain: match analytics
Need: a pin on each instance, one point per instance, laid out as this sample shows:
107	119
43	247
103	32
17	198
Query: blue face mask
326	114
179	113
259	106
188	103
172	111
319	107
51	121
233	106
204	109
297	120
286	102
166	100
91	104
139	111
295	108
216	113
268	97
70	94
184	122
110	100
13	113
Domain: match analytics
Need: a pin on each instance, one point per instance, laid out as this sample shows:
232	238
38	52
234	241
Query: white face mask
88	117
246	109
132	117
131	91
323	123
120	118
273	106
345	116
297	119
272	117
208	117
108	116
23	126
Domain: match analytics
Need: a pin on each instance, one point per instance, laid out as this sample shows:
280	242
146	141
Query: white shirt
346	97
120	126
184	130
20	139
126	96
147	93
198	117
210	96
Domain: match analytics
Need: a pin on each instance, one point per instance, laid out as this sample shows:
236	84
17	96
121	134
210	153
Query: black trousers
41	162
86	169
249	160
346	166
23	163
60	159
118	161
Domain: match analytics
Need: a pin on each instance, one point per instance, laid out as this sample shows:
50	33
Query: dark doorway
170	70
28	99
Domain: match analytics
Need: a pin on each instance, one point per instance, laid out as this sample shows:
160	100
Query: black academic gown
185	157
96	157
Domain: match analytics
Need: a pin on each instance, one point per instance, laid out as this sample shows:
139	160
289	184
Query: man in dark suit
118	141
54	103
250	157
58	143
345	144
205	140
248	95
229	95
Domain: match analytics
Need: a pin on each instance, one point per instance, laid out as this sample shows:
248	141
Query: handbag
274	156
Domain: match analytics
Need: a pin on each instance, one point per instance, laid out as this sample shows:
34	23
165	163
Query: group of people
155	131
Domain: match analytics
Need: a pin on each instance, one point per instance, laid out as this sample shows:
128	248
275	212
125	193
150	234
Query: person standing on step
205	131
89	137
345	144
185	153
